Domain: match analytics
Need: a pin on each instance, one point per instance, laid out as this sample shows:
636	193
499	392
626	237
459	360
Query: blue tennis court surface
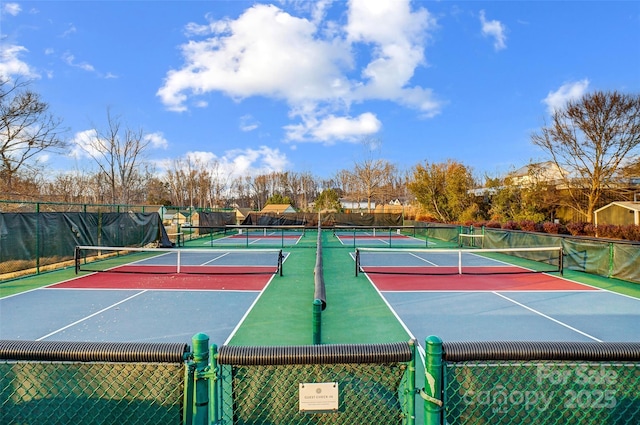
519	316
122	315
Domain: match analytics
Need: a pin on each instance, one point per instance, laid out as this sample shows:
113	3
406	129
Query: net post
561	261
357	261
433	406
459	261
280	261
76	259
317	321
354	238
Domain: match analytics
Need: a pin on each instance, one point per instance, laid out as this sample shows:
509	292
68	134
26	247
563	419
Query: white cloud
237	162
248	123
82	144
570	91
71	29
156	140
12	9
330	129
11	65
71	61
309	63
241	62
494	29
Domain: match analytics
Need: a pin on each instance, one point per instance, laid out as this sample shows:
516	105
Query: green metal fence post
433	410
187	412
200	343
611	260
317	321
214	385
38	252
410	386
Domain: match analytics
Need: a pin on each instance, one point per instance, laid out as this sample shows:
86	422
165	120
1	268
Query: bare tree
372	177
27	128
589	139
118	154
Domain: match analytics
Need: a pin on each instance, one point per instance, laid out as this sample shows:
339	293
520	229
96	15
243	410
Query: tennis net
175	261
466	240
459	261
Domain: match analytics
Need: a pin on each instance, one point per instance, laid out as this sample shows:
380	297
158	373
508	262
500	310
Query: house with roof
542	172
241	214
348	205
618	213
278	209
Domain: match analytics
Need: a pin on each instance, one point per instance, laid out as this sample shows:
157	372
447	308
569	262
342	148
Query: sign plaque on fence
318	397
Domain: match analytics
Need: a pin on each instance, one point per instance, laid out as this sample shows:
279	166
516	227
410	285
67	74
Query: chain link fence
50	382
467	383
316	384
90	393
542	393
540	382
270	394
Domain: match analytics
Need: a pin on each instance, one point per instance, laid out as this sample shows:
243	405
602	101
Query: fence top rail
126	352
315	354
536	350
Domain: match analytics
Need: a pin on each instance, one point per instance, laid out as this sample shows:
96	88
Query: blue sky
297	85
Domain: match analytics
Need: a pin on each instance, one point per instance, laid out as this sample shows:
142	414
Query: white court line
90	316
244	317
424	259
421	350
214	259
548	317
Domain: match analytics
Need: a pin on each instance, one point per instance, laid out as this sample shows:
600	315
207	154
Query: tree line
592	149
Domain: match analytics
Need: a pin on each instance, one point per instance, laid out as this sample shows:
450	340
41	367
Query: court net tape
174	261
459	261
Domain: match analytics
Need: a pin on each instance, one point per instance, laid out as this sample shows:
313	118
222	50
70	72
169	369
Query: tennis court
256	297
458	294
143	295
493	294
247	236
387	236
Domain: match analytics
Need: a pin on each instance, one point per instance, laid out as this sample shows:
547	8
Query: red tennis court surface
259	236
225	278
397	279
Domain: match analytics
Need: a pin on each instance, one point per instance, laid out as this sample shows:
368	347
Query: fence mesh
90	392
542	393
368	393
266	385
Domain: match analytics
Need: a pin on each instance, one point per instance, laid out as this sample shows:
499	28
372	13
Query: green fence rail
465	383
